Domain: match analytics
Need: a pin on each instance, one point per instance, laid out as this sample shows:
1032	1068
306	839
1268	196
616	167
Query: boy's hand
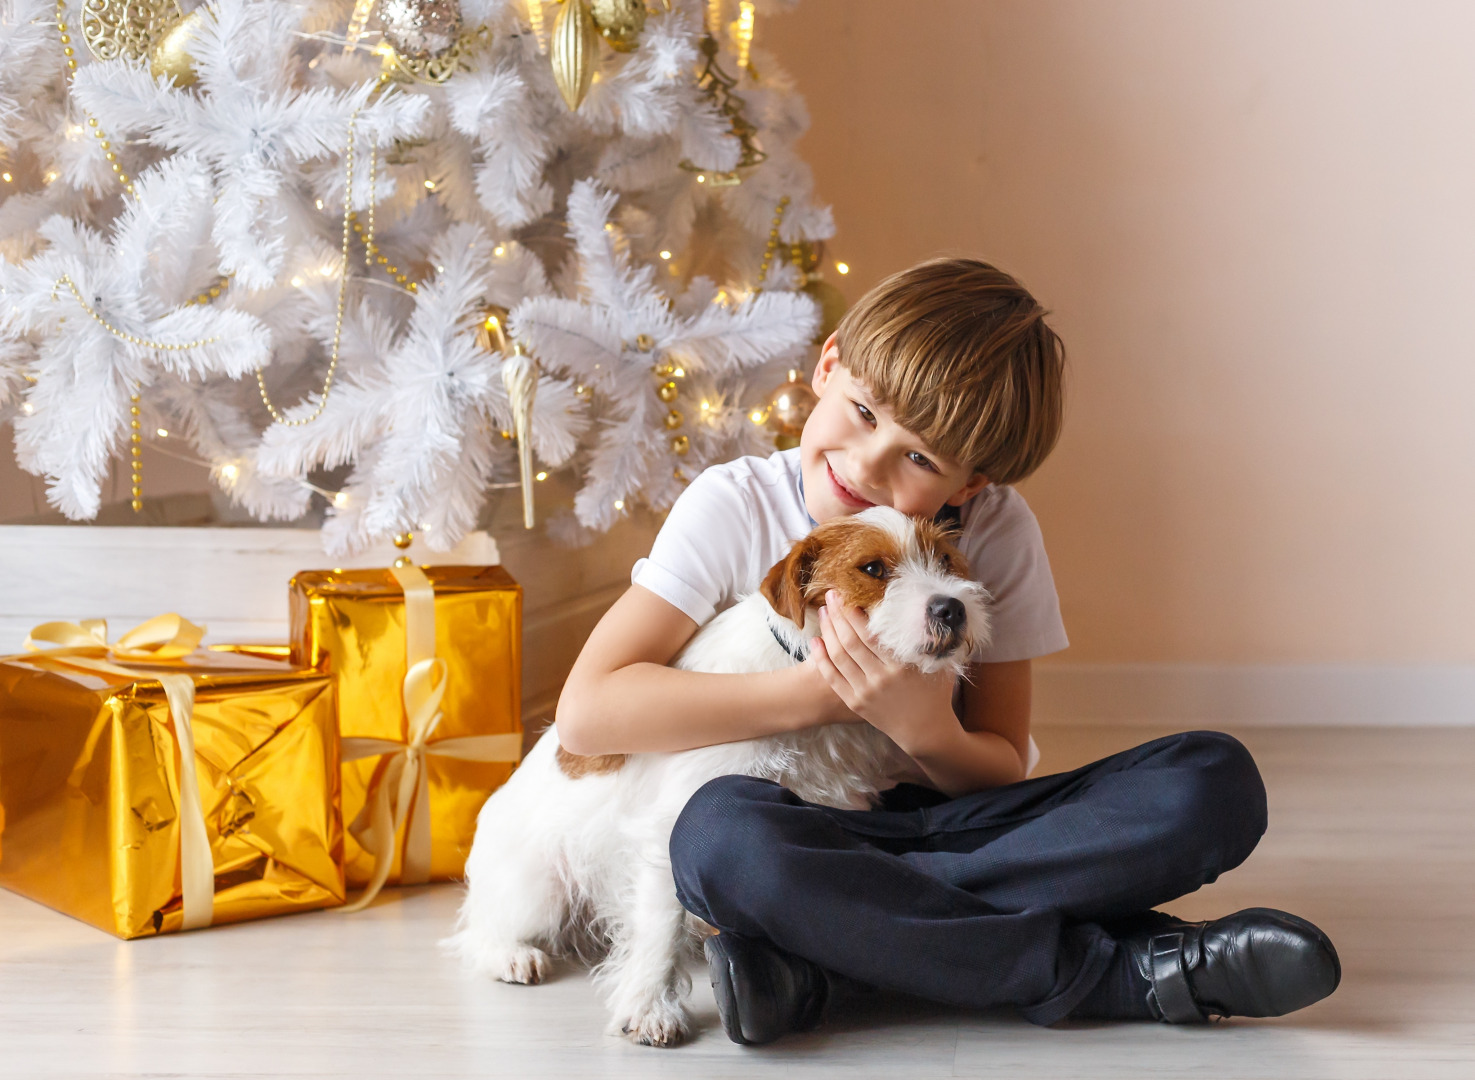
913	708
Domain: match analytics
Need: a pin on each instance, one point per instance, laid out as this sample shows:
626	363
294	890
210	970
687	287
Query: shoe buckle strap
1170	980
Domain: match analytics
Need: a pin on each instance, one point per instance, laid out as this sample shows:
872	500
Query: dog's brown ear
783	588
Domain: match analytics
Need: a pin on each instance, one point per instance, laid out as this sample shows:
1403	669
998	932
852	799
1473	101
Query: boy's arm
621	697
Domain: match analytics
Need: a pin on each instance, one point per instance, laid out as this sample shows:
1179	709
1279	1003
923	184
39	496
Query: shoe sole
719	967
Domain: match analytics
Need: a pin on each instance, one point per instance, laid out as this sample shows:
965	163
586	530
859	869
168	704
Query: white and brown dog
571	854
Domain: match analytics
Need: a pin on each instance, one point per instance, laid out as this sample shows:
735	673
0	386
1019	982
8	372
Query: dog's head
905	573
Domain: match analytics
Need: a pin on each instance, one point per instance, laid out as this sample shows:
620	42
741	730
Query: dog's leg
517	903
648	988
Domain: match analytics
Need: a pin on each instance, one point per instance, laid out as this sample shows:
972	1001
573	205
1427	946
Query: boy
972	884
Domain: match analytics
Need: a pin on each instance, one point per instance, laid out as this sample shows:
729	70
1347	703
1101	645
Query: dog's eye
875	568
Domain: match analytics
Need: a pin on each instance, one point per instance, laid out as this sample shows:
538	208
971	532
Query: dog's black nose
947	610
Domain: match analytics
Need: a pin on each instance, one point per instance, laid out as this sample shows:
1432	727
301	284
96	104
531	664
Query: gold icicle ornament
620	21
170	56
520	377
574	51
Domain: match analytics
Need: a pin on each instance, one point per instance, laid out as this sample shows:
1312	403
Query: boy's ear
976	483
829	360
783	588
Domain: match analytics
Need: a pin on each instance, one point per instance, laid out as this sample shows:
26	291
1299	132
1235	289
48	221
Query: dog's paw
664	1023
524	964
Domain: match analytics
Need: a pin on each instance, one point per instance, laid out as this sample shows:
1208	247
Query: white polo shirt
737	519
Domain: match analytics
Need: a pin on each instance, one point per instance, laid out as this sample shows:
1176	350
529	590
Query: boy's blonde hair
962	356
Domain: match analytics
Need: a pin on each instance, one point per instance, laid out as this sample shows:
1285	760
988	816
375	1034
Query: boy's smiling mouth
846	495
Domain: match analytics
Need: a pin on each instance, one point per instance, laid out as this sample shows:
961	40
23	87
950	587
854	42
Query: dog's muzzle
947	620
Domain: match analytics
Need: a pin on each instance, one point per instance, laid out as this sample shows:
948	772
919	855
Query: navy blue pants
1002	897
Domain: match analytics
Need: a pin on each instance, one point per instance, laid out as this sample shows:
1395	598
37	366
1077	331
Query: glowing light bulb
680	373
665	254
6	177
50	176
499	250
619	504
320	204
842	268
706	406
27	408
74	130
230	472
609	226
744	32
541	476
430	185
492	322
296	282
340	499
163	433
756	416
701	178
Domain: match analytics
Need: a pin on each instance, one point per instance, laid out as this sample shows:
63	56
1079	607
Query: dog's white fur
562	864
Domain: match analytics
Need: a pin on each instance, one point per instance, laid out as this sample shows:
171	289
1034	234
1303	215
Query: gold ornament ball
668	392
831	303
680	444
170	55
645	343
620	21
420	29
790	405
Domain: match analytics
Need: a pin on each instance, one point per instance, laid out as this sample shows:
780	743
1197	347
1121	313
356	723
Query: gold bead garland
136	439
97	132
349	219
123	335
773	242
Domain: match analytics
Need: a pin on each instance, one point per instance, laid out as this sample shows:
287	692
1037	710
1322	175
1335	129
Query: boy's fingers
835	649
853	632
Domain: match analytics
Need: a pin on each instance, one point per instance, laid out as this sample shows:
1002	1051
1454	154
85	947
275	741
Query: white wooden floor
1370	836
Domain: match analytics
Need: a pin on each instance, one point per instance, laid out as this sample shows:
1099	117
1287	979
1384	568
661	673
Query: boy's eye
922	461
875	568
866	414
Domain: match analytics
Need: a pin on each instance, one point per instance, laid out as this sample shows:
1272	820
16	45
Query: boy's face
854	455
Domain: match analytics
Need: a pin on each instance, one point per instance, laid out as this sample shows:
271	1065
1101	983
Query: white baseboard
1206	695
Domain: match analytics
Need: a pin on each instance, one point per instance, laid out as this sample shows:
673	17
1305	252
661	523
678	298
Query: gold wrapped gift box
90	787
454	750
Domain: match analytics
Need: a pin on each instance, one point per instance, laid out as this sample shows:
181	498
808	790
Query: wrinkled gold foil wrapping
351	624
89	784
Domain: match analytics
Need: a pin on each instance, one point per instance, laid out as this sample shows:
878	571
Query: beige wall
1255	222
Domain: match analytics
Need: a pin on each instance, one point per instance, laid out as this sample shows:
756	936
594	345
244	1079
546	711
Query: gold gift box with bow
428	665
148	787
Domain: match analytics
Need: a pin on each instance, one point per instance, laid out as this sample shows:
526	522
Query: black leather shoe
762	992
1256	962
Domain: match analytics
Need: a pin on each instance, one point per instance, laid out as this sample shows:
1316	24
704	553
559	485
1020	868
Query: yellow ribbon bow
162	639
399	792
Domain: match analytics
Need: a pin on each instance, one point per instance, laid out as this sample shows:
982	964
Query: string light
27	408
842	268
340	499
499	250
6	177
163	433
665	254
619	504
230	472
744	32
535	18
541	476
430	185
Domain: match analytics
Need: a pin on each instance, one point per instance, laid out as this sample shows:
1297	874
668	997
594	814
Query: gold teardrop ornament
574	51
620	21
170	57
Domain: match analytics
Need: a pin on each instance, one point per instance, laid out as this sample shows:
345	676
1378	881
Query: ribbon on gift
399	791
161	640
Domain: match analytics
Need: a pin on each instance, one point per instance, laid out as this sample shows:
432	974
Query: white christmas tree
446	233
